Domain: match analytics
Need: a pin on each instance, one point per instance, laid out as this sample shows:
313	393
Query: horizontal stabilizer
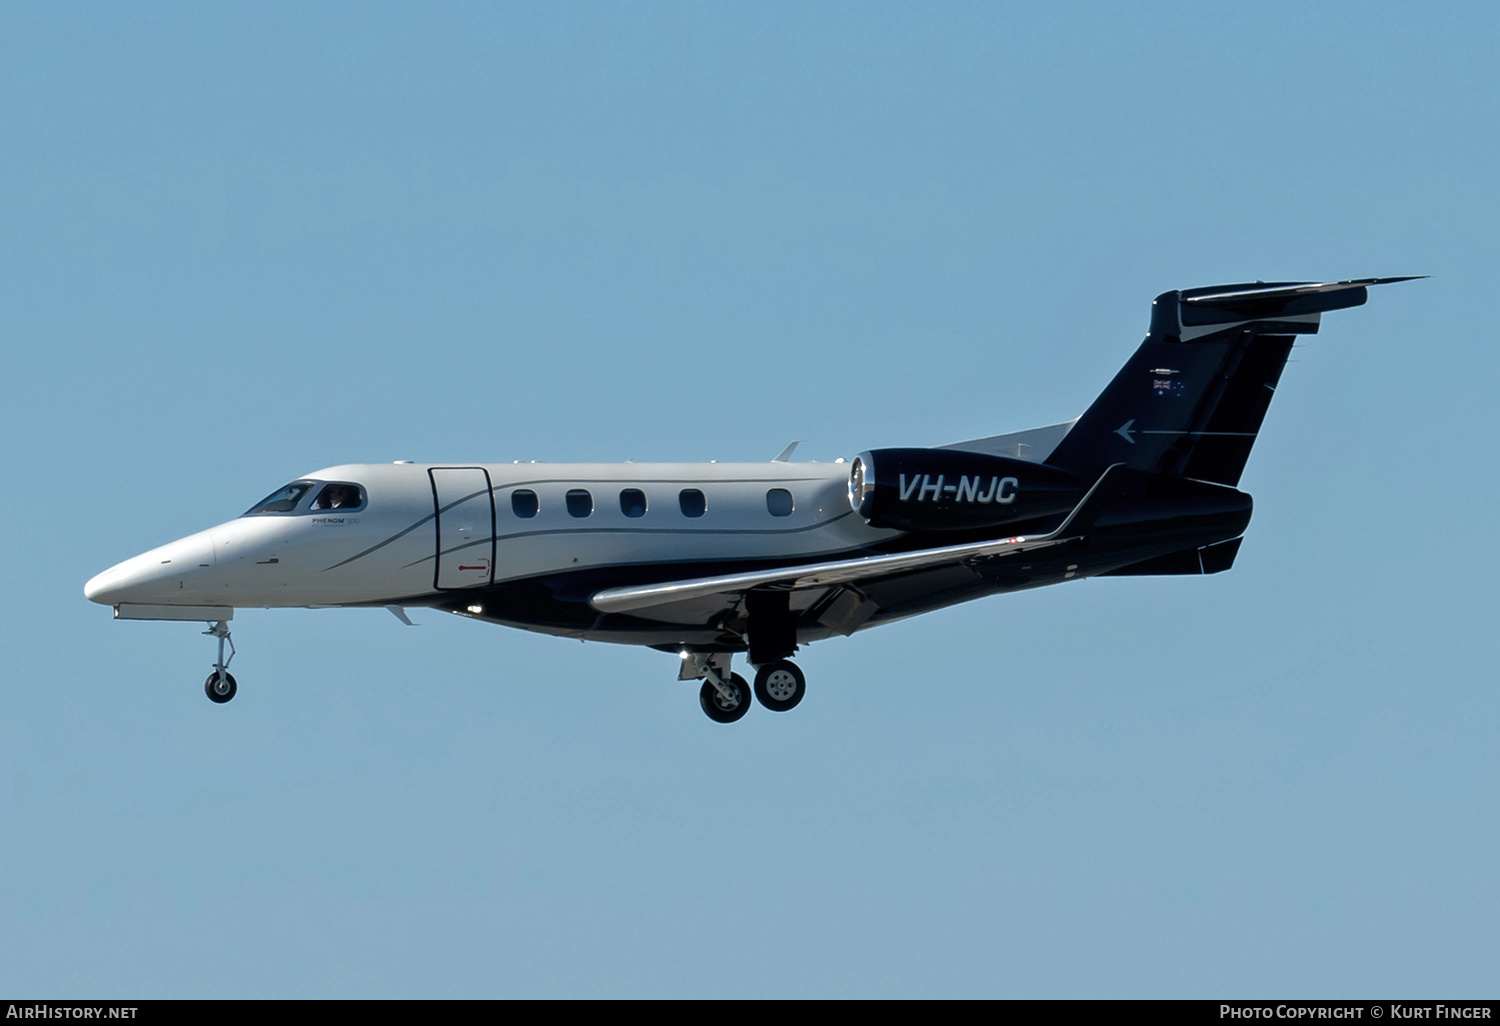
1282	290
1266	307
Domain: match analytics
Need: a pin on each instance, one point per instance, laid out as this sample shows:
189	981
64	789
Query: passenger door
465	526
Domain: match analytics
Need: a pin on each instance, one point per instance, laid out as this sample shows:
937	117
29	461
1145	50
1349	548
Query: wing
698	599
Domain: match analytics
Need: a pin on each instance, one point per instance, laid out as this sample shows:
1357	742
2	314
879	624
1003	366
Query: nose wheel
220	686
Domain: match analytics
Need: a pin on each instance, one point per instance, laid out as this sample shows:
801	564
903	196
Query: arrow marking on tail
1128	432
1199	434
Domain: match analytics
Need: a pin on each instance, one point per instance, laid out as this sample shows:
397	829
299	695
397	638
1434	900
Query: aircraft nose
161	575
101	587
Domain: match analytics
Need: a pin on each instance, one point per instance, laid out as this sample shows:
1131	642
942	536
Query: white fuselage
387	550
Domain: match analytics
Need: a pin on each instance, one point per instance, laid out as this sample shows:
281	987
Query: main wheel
717	708
780	685
217	692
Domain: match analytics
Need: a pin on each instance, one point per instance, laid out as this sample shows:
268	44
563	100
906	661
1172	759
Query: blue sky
240	242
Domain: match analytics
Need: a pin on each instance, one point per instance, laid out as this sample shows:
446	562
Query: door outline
437	530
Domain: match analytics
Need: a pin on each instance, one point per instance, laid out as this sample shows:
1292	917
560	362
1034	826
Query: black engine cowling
952	490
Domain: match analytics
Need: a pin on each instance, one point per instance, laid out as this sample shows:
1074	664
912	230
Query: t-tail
1190	402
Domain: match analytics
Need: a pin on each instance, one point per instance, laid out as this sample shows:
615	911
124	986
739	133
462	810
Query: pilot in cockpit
337	496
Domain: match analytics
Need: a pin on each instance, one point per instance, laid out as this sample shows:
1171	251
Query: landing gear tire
217	691
779	686
220	686
721	711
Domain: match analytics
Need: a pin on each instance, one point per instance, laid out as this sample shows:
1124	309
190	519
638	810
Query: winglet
1083	515
786	454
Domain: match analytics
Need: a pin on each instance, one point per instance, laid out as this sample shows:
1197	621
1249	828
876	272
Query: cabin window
580	502
340	496
283	500
779	502
523	503
692	502
633	502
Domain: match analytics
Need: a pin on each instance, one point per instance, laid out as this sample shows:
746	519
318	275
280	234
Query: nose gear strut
220	686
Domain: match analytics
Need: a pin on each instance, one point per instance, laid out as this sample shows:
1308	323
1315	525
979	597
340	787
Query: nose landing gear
220	689
220	686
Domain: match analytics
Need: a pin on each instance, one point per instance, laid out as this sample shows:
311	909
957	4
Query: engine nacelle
952	490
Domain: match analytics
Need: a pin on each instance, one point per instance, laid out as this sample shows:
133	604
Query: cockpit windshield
339	495
283	500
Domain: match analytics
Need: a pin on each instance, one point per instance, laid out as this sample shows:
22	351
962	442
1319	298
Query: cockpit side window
339	495
283	500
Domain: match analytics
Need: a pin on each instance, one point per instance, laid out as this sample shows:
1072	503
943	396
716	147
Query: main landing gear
779	686
725	696
220	686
